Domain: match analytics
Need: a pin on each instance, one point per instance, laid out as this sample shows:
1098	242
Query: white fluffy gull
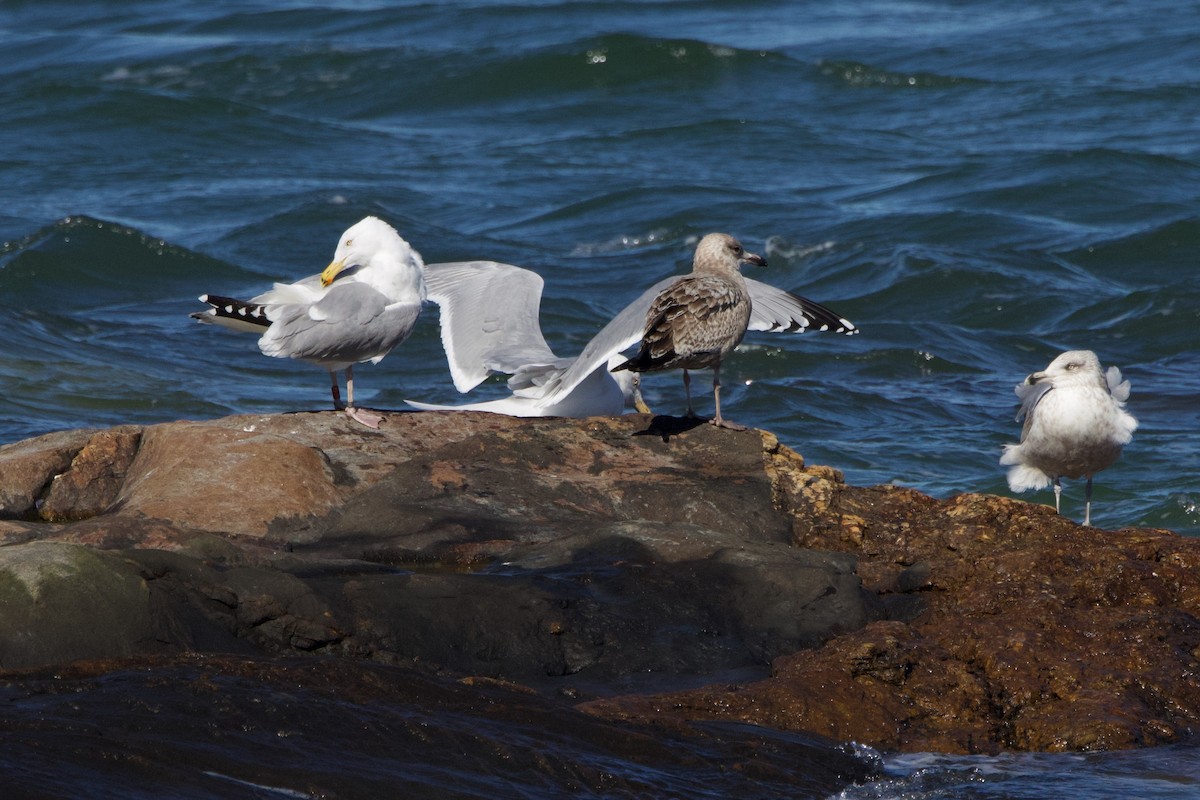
1075	425
358	309
490	325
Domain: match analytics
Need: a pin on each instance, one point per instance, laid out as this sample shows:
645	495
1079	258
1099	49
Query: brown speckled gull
699	318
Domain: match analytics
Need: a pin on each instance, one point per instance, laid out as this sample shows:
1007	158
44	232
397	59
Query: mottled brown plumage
697	320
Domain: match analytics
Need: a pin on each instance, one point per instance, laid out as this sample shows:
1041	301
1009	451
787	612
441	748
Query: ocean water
978	185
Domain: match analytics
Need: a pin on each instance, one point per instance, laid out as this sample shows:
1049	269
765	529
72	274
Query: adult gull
1075	425
358	309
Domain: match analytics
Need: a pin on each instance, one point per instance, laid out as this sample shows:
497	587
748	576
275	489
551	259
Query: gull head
1072	368
370	242
720	252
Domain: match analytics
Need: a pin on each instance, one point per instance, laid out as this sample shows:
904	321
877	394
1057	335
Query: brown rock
91	483
26	469
623	555
215	478
1032	633
591	555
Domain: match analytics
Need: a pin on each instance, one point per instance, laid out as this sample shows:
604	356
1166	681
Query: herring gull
489	324
699	318
358	309
1075	425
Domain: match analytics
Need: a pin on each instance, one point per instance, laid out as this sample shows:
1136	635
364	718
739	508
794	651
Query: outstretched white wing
550	384
489	318
777	311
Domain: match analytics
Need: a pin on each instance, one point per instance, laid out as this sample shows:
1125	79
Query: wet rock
250	728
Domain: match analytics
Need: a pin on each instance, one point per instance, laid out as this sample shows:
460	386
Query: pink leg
368	418
717	420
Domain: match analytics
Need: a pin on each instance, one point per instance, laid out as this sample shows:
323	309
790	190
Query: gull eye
1074	365
349	242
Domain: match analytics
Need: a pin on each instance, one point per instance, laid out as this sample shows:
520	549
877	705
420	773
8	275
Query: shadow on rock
665	427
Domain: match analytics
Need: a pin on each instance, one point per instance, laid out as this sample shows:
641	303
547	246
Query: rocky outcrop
474	543
712	571
1010	628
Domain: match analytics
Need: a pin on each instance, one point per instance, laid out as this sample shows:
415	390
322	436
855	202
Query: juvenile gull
489	324
1075	425
699	318
362	305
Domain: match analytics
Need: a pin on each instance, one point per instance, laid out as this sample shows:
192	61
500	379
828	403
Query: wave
1159	252
858	74
84	263
343	82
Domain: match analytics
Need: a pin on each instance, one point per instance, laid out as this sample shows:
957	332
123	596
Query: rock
233	727
523	549
64	602
280	481
27	468
1034	633
599	557
92	481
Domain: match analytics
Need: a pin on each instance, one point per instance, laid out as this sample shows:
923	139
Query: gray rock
63	602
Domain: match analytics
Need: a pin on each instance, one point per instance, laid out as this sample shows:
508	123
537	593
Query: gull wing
1118	388
1030	394
551	384
489	318
772	309
778	311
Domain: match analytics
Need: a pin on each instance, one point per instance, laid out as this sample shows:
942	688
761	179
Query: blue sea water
978	185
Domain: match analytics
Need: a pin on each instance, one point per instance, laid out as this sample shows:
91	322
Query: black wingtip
230	308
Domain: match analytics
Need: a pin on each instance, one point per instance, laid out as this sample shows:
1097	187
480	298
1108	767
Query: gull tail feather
237	315
1023	477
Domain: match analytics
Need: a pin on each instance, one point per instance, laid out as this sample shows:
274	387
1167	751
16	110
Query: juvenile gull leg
718	420
1087	505
687	391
